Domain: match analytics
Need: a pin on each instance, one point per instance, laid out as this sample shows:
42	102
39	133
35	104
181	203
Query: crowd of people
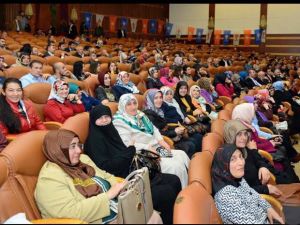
172	108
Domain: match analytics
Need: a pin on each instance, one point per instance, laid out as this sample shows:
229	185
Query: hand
152	149
264	175
87	74
165	145
275	143
187	120
131	142
273	190
105	102
115	190
252	145
67	73
272	214
46	75
179	130
72	97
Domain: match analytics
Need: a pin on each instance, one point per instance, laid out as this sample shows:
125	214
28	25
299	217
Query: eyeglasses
79	145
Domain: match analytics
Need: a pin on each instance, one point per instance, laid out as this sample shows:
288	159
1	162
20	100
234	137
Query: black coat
73	32
120	35
151	83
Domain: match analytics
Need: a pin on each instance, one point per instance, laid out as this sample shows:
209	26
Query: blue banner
169	27
88	20
199	33
257	33
153	26
226	37
124	23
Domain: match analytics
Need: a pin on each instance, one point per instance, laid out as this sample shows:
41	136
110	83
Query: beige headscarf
244	112
56	149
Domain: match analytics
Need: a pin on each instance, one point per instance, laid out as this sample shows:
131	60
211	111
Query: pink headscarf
244	112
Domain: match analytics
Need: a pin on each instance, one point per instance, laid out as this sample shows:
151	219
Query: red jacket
35	121
225	91
58	112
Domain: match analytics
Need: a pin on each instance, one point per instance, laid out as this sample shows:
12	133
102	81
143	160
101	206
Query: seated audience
224	86
23	59
104	92
17	115
61	72
167	78
134	124
50	49
107	150
251	81
36	75
236	201
60	105
153	79
124	85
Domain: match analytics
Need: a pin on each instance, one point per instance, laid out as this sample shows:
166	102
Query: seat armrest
51	125
266	155
169	141
276	205
266	130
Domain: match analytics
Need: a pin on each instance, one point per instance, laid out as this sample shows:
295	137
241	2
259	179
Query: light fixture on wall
74	16
29	11
211	23
263	22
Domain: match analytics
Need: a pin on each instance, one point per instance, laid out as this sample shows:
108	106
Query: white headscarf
130	86
58	84
201	100
174	103
150	102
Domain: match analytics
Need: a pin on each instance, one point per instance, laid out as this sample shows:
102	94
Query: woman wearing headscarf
167	78
224	85
134	124
70	185
245	113
207	90
107	150
154	101
185	102
153	79
235	200
200	102
104	92
124	85
23	60
58	107
235	78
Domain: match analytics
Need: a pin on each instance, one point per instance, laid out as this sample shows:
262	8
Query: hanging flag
99	19
153	25
247	37
257	33
208	36
144	26
263	36
191	31
226	37
160	26
217	37
133	25
169	27
236	39
112	23
88	20
124	23
199	33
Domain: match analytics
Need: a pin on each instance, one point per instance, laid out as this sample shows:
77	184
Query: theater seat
70	60
194	205
9	59
51	60
16	72
211	142
217	126
91	84
224	115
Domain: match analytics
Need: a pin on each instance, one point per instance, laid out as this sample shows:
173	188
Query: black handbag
146	158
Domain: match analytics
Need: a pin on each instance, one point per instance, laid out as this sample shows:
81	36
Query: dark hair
49	44
26	48
35	61
60	44
117	70
78	69
7	116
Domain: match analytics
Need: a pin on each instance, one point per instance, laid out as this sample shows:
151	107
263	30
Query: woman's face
113	67
13	92
196	93
63	92
158	100
183	91
75	150
103	120
155	74
242	139
107	80
131	108
237	164
26	60
125	78
169	96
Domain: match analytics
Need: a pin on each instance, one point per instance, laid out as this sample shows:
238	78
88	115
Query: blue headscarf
278	86
243	75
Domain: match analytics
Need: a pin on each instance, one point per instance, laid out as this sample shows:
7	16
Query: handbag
146	158
135	204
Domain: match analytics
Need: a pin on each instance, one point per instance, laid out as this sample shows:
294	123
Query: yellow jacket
56	196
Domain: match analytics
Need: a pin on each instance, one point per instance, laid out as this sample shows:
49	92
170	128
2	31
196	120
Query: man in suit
251	80
72	33
71	46
50	49
225	62
79	52
122	33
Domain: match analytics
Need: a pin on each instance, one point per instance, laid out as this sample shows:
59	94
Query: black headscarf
105	146
220	78
221	176
187	97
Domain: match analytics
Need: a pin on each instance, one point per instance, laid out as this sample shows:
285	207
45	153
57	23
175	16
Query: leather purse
135	204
